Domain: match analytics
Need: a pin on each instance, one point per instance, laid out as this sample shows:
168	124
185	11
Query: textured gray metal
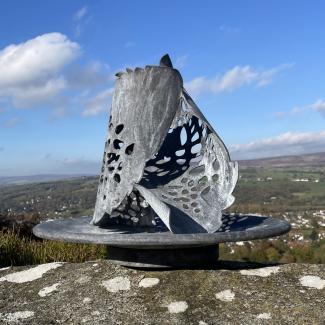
162	161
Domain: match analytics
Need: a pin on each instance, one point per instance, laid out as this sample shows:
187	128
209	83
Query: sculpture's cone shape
162	157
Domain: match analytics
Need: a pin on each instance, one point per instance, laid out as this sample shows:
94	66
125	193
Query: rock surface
102	293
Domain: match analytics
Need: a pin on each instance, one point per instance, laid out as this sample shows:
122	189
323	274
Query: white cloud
60	110
11	122
98	103
181	61
234	78
318	106
229	29
129	44
33	95
78	166
81	13
297	110
80	18
41	71
279	115
36	60
288	143
93	74
30	71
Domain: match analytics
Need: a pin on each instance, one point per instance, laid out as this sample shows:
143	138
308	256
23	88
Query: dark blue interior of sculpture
180	148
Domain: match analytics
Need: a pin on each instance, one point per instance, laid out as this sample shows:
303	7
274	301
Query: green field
274	191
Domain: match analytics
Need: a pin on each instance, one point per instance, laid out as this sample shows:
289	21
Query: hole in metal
119	128
117	178
129	149
118	144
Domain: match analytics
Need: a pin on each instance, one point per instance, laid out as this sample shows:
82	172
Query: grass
18	250
21	250
288	195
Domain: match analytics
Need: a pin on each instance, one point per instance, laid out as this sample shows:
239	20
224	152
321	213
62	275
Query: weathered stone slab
235	293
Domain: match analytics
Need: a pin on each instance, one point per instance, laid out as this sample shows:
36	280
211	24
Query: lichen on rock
113	295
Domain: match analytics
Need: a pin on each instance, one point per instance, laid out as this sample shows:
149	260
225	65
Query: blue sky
255	68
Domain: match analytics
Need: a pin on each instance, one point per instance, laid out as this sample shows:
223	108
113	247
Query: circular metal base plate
234	228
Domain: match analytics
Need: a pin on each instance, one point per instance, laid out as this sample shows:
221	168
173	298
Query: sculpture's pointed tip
119	74
165	61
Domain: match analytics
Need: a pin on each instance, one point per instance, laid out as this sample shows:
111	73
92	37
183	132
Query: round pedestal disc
151	247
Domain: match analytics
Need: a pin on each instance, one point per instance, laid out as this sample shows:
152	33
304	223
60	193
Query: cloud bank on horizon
56	88
289	143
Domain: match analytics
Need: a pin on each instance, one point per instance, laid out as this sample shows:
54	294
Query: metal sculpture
165	180
162	158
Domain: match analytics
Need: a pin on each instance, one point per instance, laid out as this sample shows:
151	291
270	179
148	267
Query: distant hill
20	180
308	160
